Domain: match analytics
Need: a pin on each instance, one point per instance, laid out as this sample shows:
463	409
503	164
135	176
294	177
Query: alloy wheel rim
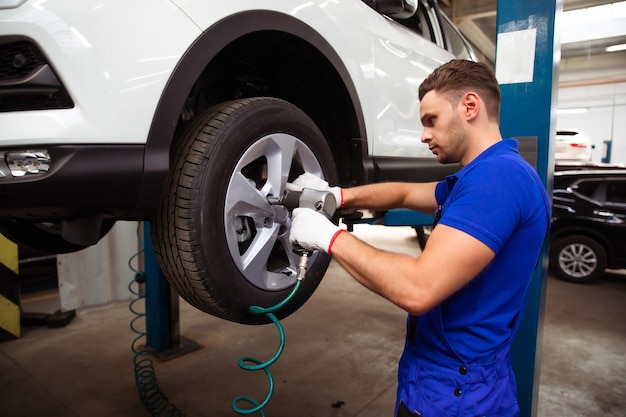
257	233
578	260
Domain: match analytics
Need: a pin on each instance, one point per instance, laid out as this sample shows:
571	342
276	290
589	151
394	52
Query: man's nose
426	136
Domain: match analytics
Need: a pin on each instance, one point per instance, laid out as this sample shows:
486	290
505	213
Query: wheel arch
199	69
561	232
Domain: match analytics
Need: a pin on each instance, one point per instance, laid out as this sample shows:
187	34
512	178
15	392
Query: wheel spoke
254	260
244	199
279	152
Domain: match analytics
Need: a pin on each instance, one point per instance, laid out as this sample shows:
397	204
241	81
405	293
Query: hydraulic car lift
525	55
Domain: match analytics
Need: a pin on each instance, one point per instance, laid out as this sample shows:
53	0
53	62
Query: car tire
578	258
219	242
44	236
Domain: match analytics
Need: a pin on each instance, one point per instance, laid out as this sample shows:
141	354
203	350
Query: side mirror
399	9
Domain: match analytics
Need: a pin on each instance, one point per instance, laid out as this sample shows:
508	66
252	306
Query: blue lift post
528	109
162	309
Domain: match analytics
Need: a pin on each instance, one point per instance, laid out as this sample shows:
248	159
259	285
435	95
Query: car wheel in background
219	242
578	258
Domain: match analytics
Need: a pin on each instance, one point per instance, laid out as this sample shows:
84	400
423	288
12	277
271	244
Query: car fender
199	55
562	230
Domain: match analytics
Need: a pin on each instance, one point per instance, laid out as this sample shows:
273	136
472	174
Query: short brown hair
460	76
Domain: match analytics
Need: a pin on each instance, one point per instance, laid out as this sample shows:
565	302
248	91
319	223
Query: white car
191	113
572	145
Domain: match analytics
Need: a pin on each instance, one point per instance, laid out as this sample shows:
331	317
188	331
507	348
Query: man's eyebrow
426	116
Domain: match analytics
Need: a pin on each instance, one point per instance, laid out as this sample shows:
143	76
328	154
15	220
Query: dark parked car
580	165
588	223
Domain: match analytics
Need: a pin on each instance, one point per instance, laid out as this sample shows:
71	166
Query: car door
405	52
615	203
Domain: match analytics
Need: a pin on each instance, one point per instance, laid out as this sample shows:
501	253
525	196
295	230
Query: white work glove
312	230
308	180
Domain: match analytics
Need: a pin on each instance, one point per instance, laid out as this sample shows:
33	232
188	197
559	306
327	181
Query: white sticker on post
515	56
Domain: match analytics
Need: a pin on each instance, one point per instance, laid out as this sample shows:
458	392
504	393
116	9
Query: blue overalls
433	381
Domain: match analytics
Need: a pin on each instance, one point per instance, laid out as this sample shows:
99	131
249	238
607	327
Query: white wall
605	118
100	273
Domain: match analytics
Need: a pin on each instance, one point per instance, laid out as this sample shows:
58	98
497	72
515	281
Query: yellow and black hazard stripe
9	290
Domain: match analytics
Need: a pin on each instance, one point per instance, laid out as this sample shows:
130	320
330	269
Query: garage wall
101	273
605	118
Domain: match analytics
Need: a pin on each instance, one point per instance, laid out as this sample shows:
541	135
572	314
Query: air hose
257	365
322	202
153	399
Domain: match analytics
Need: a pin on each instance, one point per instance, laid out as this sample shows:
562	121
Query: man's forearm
416	284
390	275
391	195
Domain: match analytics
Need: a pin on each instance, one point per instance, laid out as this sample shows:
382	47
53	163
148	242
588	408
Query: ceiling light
615	48
572	111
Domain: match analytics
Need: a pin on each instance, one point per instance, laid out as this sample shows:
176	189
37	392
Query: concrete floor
339	360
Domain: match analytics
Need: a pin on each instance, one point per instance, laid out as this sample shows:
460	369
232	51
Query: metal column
529	88
162	309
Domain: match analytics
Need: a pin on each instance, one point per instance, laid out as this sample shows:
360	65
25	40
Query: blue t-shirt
499	199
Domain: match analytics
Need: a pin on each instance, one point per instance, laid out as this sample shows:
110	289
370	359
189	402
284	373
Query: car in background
572	145
588	224
586	165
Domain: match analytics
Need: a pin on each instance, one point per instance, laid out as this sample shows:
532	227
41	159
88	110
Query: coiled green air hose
153	399
244	362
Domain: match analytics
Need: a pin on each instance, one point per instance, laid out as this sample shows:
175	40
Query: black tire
44	236
219	242
578	258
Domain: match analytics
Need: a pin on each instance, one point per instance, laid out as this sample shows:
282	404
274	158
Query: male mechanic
465	293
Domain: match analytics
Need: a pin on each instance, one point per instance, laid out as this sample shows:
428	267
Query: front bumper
80	180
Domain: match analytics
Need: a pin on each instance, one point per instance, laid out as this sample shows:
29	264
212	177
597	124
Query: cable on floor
153	399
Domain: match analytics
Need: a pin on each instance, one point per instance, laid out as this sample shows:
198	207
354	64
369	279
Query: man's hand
308	180
312	230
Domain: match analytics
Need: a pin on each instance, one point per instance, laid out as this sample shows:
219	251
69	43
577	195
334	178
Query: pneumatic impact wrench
321	201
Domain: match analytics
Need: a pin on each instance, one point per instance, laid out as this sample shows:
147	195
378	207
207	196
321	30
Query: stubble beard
453	144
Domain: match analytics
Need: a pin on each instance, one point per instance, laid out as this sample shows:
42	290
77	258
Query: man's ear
470	104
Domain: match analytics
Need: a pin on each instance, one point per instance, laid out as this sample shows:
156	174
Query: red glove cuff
332	240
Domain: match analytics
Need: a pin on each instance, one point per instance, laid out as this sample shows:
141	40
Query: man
465	293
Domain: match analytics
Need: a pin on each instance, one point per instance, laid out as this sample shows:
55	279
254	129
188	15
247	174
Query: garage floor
339	360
